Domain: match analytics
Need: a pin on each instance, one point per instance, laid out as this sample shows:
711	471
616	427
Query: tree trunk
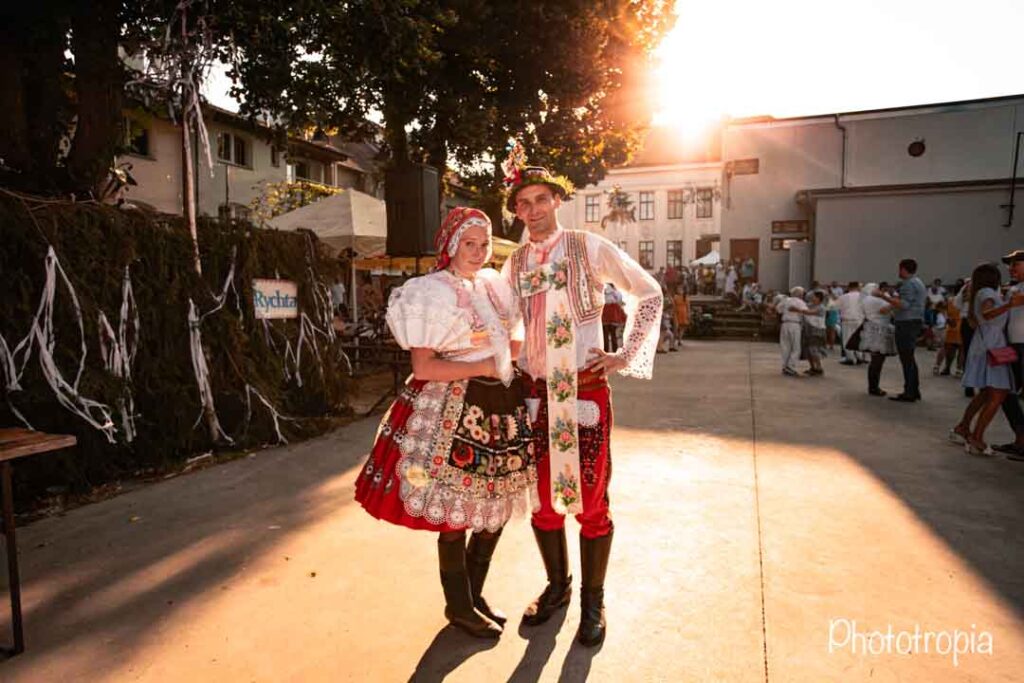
395	136
437	156
34	110
189	187
99	84
14	147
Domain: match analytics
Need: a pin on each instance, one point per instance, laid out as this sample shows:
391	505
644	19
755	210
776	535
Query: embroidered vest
586	291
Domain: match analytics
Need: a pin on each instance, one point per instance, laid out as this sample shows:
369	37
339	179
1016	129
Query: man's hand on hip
604	363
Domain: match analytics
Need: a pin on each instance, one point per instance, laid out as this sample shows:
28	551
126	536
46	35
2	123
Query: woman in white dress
454	450
877	335
988	314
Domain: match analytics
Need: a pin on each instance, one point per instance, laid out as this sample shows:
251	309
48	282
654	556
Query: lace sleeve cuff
643	325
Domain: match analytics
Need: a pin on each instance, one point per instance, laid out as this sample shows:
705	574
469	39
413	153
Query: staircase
728	323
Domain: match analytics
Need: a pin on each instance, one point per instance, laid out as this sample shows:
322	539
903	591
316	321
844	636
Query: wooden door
744	249
704	245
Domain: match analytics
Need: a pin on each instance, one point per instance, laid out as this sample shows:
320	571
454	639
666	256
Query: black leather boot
458	602
555	553
594	559
478	561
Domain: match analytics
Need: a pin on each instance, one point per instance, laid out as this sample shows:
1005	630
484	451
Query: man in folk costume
559	277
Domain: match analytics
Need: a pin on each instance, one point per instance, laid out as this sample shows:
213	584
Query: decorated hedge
108	333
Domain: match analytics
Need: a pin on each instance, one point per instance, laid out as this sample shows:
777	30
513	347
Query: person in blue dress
988	313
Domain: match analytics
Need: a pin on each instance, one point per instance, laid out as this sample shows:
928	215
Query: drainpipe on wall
1013	182
842	172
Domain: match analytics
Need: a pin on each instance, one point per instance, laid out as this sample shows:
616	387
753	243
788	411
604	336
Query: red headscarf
446	242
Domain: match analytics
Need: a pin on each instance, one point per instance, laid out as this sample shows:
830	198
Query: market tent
407	264
712	258
348	220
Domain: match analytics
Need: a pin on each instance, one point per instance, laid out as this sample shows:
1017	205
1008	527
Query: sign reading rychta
275	298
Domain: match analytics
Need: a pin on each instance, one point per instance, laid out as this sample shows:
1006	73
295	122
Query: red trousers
595	460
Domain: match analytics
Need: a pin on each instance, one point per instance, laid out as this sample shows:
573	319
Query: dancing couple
508	408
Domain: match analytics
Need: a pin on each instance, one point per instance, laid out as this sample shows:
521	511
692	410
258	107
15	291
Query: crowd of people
721	279
975	328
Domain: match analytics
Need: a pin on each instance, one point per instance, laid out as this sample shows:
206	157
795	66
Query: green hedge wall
93	244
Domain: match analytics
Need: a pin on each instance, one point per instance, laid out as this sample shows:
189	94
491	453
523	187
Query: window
675	203
136	137
232	148
705	202
647	254
301	170
275	157
592	208
674	254
646	206
238	212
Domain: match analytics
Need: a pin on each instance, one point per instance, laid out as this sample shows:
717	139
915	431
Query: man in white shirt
789	331
558	276
851	316
1015	336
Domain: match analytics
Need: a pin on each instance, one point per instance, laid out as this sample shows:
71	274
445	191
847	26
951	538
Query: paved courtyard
756	515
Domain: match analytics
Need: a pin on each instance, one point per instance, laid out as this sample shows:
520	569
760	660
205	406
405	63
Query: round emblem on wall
916	148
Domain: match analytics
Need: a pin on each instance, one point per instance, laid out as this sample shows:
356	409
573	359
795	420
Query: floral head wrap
458	220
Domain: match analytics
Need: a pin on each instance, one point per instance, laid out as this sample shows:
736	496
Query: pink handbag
1004	355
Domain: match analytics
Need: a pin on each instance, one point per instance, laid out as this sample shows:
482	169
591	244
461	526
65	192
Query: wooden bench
17	443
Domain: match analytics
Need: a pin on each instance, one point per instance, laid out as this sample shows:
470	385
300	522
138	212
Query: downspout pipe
842	170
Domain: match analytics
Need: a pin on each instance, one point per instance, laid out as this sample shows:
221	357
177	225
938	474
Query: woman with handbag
987	369
454	451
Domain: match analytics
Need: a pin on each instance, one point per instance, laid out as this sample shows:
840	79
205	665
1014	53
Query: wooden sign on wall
790	227
744	166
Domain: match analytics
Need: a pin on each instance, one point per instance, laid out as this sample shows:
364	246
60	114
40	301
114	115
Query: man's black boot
594	558
555	553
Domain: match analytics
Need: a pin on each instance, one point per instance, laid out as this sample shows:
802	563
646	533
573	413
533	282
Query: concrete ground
755	516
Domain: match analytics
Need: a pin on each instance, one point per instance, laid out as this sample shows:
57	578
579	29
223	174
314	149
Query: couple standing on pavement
474	438
993	359
907	308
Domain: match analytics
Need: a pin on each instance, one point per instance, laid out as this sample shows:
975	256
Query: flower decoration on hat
458	220
518	175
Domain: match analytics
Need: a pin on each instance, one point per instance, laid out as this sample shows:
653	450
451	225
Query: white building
866	189
244	159
676	200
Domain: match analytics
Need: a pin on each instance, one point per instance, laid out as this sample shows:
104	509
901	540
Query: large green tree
452	80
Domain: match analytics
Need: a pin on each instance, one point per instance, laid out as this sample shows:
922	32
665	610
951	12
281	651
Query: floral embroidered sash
550	281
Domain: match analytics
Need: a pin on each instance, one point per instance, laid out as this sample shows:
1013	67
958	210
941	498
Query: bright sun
689	94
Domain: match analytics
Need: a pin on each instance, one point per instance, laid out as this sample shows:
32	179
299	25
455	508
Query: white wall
962	143
948	233
791	158
243	182
661	229
159	174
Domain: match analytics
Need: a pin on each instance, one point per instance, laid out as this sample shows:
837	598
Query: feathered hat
518	175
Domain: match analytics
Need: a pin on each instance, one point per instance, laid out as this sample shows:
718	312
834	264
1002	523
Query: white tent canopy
349	219
711	258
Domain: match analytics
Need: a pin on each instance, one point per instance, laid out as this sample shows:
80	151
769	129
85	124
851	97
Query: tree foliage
278	198
452	80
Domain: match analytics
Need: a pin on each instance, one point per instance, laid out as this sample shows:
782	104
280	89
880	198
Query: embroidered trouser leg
595	465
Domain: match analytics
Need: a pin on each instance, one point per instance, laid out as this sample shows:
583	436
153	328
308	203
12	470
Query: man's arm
643	303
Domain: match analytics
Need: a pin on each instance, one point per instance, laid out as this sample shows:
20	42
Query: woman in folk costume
559	277
454	450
